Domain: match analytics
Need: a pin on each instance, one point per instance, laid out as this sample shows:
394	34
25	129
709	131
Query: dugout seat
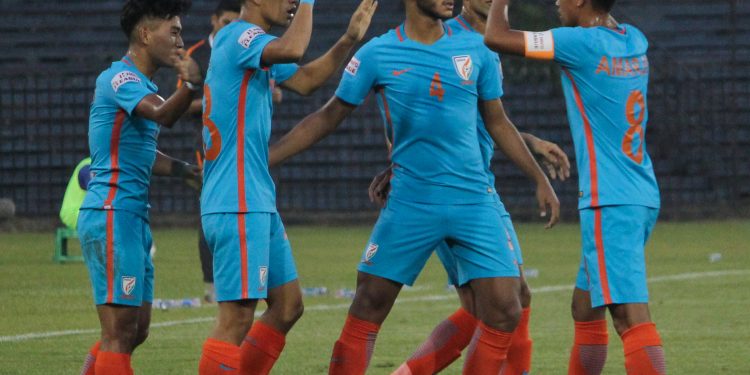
62	234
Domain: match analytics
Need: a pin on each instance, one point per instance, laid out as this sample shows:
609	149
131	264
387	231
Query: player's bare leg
499	310
641	342
589	352
262	346
373	301
221	351
119	325
519	353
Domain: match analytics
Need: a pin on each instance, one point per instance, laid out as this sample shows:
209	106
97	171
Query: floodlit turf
702	316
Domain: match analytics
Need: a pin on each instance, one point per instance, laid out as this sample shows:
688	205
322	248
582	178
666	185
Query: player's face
223	19
481	7
278	12
442	9
568	12
163	39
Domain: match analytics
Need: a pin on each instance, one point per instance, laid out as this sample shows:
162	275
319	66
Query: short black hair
135	10
605	5
228	6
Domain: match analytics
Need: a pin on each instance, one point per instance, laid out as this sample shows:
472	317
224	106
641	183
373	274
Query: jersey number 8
636	126
213	152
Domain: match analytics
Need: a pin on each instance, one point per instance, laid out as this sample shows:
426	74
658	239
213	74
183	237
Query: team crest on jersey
123	78
464	66
262	277
247	37
128	285
353	66
372	248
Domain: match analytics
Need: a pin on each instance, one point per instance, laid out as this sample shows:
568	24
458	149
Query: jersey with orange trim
428	96
605	80
237	109
122	145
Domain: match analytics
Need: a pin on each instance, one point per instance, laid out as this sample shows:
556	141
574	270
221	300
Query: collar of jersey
447	32
129	62
463	20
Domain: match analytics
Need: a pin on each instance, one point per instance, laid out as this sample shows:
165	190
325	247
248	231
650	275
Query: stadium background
698	133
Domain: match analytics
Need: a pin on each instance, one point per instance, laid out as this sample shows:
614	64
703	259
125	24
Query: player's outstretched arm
291	46
314	74
550	155
499	36
507	138
310	130
168	166
167	112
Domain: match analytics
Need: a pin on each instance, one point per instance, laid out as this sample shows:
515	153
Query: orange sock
109	363
219	358
487	351
519	353
352	351
644	354
260	349
90	361
443	346
589	351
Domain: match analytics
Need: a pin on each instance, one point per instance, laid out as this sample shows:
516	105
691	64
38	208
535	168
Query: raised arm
167	112
499	36
291	46
310	130
510	142
314	74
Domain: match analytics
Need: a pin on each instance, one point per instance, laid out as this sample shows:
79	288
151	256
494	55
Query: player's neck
142	61
255	18
595	19
475	20
423	28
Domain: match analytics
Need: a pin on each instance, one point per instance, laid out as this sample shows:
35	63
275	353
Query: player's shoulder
458	25
238	32
118	74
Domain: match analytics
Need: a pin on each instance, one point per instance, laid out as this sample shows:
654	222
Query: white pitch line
437	297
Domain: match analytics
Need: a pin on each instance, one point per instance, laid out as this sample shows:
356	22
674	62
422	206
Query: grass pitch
48	321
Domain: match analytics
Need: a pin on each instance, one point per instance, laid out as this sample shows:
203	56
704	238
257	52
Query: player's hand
552	158
549	205
380	186
187	69
360	20
193	177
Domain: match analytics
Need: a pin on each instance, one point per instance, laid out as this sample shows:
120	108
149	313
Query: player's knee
503	315
119	340
291	313
140	337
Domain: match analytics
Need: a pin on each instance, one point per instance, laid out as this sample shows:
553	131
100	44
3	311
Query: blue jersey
122	145
605	79
237	109
487	145
428	96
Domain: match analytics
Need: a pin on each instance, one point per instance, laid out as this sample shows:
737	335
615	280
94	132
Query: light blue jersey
237	111
428	96
122	145
605	79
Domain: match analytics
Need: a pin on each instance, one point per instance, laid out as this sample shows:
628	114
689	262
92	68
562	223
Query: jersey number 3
436	87
213	152
635	103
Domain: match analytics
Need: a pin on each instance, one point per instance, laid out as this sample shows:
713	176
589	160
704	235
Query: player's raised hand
553	158
187	69
548	201
360	20
379	187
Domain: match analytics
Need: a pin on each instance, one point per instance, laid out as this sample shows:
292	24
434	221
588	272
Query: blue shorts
407	233
613	265
445	252
251	254
116	245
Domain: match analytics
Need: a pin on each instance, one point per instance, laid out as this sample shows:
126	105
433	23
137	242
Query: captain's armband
539	45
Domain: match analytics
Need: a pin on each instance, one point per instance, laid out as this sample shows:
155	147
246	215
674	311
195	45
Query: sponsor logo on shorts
262	277
247	37
372	248
464	66
353	66
123	78
128	285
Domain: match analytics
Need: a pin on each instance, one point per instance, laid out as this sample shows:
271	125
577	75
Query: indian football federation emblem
262	277
464	66
372	248
128	285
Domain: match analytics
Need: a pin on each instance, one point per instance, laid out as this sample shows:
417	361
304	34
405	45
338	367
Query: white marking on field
438	297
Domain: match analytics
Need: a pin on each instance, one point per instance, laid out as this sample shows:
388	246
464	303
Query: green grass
703	320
